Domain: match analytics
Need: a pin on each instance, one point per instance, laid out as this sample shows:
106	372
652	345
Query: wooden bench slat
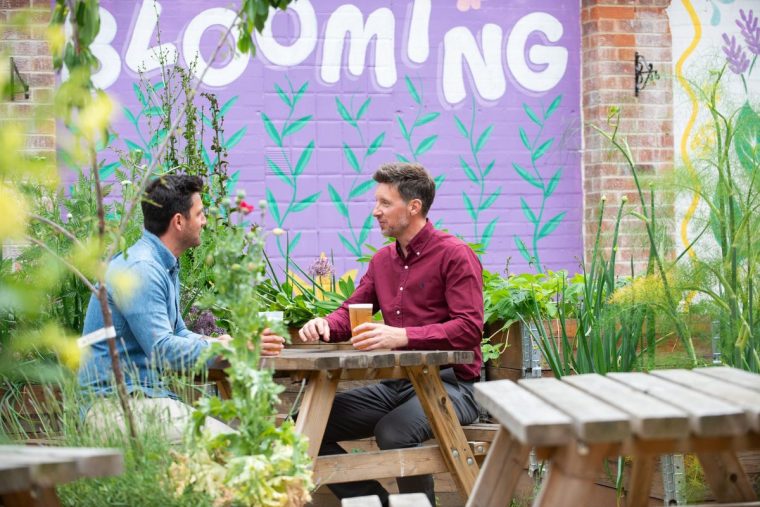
535	422
708	417
650	417
745	398
733	375
593	420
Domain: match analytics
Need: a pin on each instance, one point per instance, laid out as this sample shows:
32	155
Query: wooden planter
31	411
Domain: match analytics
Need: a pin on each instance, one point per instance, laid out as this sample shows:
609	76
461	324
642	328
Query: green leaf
351	157
300	93
366	228
541	150
553	183
425	145
235	138
157	138
283	97
337	200
488	168
305	202
207	121
402	126
524	139
483	139
401	158
552	224
273	208
304	159
107	170
139	94
294	242
554	105
468	205
159	86
490	200
488	233
522	249
439	180
468	170
129	116
271	130
233	181
527	176
412	90
376	144
532	115
527	211
361	189
363	108
425	119
351	248
279	172
297	125
227	105
204	155
747	138
461	127
344	112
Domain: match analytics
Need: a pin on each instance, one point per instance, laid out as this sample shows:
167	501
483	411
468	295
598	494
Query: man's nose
376	211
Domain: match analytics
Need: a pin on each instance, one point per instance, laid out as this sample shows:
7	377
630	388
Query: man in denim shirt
143	294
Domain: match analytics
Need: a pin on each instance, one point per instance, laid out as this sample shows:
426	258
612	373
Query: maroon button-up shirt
435	291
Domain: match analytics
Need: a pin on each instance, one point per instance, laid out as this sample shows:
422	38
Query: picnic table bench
580	420
29	475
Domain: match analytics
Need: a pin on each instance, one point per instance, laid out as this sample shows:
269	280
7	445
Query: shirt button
400	288
418	253
406	267
398	312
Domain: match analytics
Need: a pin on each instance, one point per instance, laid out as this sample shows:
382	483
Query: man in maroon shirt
429	286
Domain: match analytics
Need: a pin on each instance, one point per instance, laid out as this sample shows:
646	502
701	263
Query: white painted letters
553	58
418	43
139	55
459	45
301	49
191	43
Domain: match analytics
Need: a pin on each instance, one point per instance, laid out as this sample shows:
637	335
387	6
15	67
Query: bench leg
726	477
501	471
315	408
640	485
40	497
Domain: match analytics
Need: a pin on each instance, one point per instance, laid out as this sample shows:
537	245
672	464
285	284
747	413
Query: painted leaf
552	224
747	138
294	242
279	172
412	90
366	228
362	189
272	132
490	200
541	150
343	111
273	208
139	94
363	108
207	121
376	144
297	125
351	157
527	176
233	181
461	127
468	170
552	107
305	202
337	200
159	86
488	168
425	145
553	182
522	249
439	180
300	93
227	105
157	138
468	205
402	126
351	248
107	170
527	211
401	158
426	118
483	139
128	114
488	233
304	159
532	115
283	97
235	138
204	155
524	139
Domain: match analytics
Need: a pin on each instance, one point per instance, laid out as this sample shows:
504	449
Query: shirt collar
164	255
418	242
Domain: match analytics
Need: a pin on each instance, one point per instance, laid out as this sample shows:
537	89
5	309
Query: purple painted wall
487	98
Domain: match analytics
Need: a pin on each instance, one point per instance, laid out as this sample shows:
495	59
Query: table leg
640	485
315	408
726	477
501	471
46	497
446	428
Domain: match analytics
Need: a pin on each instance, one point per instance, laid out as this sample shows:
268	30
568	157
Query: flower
750	31
735	55
245	207
465	5
321	267
203	322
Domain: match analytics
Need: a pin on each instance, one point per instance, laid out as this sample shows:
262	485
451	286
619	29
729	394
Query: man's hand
371	336
224	339
271	344
314	330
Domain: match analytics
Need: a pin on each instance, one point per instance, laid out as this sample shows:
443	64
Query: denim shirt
151	337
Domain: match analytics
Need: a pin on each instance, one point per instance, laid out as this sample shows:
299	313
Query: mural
483	94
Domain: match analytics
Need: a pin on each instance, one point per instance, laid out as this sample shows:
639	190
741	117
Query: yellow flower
96	116
124	284
56	38
14	209
87	258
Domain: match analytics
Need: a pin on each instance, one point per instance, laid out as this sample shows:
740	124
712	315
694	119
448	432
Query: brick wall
30	51
612	31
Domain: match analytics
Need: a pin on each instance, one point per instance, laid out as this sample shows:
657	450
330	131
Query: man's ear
177	221
415	206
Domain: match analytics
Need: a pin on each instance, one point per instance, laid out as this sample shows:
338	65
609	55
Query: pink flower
245	207
465	5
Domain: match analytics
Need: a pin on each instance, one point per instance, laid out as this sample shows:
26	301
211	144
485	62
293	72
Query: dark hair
411	180
165	197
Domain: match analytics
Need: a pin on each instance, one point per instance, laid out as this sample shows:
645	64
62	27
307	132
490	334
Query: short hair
411	180
166	196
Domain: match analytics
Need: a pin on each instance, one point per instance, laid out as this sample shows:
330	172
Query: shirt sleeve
464	296
145	310
339	321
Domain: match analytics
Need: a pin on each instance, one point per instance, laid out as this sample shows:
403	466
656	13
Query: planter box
31	411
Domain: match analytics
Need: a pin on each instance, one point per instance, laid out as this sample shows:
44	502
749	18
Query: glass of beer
359	314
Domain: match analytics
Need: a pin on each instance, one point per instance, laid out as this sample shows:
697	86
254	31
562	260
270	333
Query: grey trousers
391	412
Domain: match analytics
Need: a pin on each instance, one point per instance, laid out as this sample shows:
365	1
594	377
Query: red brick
14	4
608	12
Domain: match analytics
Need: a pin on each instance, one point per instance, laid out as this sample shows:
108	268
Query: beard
393	231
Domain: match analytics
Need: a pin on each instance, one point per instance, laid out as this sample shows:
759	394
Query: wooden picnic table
324	367
29	475
579	421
